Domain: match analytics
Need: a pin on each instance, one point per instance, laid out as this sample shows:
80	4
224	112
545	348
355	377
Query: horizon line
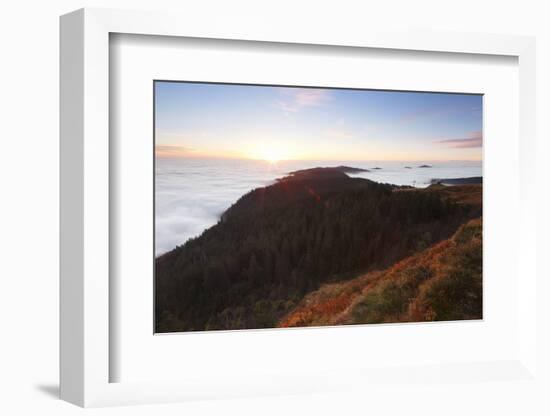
213	157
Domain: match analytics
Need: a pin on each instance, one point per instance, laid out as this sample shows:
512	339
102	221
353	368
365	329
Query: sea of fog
191	194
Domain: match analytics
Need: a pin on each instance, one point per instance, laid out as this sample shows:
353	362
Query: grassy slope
463	194
443	282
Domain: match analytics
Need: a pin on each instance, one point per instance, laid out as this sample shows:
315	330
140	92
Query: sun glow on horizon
271	152
276	124
275	153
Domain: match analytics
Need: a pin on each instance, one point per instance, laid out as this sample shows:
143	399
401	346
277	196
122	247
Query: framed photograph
257	212
315	206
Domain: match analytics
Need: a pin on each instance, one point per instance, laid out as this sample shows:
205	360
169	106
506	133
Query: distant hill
443	282
474	180
322	172
280	242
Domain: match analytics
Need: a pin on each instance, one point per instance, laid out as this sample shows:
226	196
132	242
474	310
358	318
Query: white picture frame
85	221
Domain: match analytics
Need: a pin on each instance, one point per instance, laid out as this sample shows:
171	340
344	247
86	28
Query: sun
271	154
273	157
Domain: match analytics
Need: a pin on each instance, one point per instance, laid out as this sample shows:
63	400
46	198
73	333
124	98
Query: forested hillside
278	243
443	282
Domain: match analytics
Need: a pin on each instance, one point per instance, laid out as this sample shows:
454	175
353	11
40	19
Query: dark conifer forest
278	243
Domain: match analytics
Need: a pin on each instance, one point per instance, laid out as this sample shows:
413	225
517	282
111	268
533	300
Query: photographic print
283	206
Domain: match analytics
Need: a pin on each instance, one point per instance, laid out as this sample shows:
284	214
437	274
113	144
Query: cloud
295	100
190	196
474	140
171	150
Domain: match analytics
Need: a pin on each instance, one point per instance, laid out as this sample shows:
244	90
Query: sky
202	120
